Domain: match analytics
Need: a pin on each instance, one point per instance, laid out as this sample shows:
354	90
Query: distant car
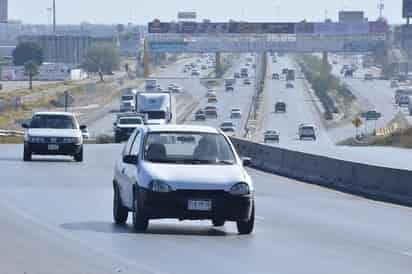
289	85
200	115
247	81
247	64
307	131
163	66
85	133
274	60
235	113
212	99
210	92
211	112
228	128
280	107
271	136
394	84
171	87
404	101
285	71
229	87
204	67
125	124
275	76
334	62
177	89
53	133
348	73
236	75
368	77
195	73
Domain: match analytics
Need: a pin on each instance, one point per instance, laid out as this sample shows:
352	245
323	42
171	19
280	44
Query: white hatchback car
182	172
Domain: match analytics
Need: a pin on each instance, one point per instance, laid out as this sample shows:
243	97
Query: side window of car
136	144
129	143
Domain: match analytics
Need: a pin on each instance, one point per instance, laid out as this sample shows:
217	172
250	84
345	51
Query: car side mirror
246	161
83	127
25	125
130	159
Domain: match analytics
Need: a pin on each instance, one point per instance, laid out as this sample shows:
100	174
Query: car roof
54	113
181	128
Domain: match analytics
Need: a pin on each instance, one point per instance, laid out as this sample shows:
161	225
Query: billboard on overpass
186	15
407	8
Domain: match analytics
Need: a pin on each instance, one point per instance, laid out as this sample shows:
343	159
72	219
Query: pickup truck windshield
188	148
130	121
54	121
154	115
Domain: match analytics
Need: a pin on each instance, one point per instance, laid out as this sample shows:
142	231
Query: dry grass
11	139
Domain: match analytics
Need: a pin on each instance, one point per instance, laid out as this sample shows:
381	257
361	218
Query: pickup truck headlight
71	140
240	189
159	186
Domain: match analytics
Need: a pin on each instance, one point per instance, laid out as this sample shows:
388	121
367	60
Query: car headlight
159	186
36	139
240	189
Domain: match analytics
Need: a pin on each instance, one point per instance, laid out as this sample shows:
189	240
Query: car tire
246	227
218	223
26	155
78	157
120	213
140	222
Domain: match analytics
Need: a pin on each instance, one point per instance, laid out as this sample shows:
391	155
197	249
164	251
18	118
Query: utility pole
381	7
54	16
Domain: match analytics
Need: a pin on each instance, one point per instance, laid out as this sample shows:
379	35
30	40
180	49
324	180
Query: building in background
4	11
64	48
352	16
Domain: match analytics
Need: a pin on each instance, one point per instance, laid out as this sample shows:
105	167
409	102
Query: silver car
185	173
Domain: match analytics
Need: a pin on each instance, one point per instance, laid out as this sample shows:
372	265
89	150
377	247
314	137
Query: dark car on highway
280	107
200	115
275	76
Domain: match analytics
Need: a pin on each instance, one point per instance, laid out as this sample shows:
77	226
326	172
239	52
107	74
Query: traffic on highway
189	146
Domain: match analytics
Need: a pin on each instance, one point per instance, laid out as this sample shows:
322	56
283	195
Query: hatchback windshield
54	121
308	131
188	148
127	97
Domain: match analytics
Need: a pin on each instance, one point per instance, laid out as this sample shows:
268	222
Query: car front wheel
140	222
120	213
26	154
78	157
246	227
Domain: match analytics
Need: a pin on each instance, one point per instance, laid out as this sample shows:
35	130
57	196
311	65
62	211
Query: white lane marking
260	218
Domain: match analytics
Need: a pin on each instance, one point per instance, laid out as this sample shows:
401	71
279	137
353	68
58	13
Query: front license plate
199	205
53	147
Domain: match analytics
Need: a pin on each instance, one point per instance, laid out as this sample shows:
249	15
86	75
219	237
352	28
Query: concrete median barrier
379	183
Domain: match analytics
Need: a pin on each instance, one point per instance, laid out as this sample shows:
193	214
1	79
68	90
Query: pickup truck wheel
26	155
140	222
218	222
78	157
246	227
120	213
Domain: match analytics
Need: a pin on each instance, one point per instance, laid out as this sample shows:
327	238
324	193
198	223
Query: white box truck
157	107
128	100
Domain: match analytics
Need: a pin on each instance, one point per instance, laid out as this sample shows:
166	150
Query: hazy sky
142	11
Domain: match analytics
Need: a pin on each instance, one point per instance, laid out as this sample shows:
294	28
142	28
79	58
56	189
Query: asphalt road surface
241	98
57	218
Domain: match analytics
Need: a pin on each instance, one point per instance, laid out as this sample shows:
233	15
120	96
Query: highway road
58	219
104	125
240	98
371	95
300	108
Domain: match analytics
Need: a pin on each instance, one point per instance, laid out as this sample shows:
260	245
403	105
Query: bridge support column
218	67
146	71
